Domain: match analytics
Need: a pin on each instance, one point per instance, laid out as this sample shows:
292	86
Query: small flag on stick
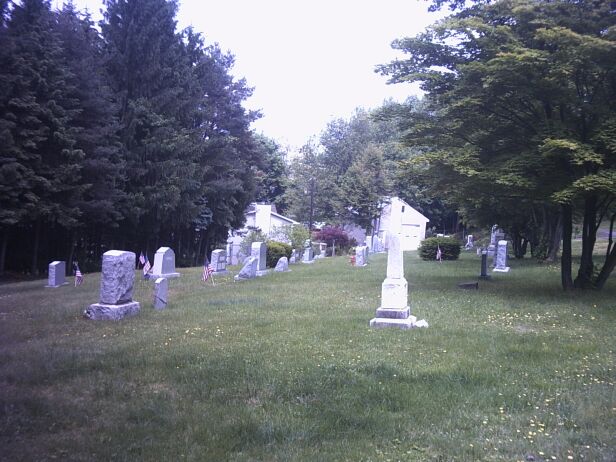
141	258
78	275
146	267
207	271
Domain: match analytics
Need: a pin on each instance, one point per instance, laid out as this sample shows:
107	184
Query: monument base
262	273
308	262
501	270
393	313
238	278
167	275
101	311
59	285
406	323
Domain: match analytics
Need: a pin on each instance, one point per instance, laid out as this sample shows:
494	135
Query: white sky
309	61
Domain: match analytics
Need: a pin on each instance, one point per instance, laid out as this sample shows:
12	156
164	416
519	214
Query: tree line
131	135
518	125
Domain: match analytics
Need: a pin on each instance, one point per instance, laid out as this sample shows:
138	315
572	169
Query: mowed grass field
286	368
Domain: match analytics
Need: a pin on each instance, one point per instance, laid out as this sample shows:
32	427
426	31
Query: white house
265	217
261	216
413	224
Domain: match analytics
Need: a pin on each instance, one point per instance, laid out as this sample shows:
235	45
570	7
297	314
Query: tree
519	96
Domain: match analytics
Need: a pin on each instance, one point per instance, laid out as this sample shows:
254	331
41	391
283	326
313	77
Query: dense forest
128	135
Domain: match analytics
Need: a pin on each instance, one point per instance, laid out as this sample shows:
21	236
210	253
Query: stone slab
161	289
101	311
57	274
261	273
501	270
468	285
407	323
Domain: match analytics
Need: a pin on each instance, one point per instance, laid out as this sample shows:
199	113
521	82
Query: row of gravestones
164	266
255	264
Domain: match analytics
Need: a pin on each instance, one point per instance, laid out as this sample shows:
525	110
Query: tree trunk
565	258
555	237
610	259
3	246
589	236
35	247
71	253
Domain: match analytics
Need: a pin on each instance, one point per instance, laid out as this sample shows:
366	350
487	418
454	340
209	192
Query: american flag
207	270
439	254
146	267
78	275
141	258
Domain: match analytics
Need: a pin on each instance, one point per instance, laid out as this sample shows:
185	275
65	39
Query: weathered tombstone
219	261
360	256
366	254
496	234
501	257
322	249
470	243
161	289
164	264
282	265
249	270
394	310
57	274
293	258
259	251
116	294
308	252
370	244
484	265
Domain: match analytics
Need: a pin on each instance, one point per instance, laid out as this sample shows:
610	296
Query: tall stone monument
500	259
258	250
116	294
57	274
164	264
394	310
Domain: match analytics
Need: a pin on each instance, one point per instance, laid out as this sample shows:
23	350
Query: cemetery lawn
285	367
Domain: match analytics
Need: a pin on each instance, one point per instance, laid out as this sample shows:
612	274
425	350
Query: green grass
285	367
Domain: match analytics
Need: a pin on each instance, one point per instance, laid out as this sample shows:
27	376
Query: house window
403	209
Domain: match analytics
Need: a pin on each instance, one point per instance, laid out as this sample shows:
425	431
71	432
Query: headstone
501	257
57	274
116	293
484	265
360	256
219	261
259	251
322	249
161	288
282	265
308	253
249	270
370	244
164	264
470	243
293	258
394	310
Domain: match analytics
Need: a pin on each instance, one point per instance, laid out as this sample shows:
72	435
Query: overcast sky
309	61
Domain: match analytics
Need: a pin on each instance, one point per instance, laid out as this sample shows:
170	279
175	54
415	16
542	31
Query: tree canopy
520	105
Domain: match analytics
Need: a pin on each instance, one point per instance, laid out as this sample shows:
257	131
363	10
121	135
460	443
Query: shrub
329	234
296	235
276	250
450	248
